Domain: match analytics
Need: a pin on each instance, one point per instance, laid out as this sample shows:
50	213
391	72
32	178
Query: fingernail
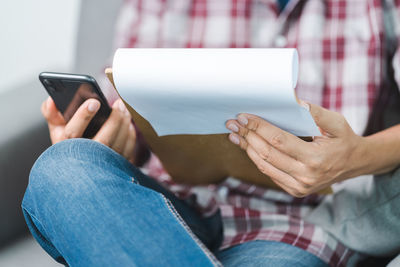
131	128
121	106
93	106
304	104
234	139
243	120
233	127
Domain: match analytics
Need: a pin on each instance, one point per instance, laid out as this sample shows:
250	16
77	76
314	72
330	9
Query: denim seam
193	236
41	225
134	181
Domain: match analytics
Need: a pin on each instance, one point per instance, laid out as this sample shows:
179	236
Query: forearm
380	152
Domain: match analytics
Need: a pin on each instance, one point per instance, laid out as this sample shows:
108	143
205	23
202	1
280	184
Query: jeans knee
72	167
50	172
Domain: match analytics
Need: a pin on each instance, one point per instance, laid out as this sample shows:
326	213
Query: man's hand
301	167
117	132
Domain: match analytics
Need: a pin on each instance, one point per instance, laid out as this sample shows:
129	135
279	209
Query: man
86	205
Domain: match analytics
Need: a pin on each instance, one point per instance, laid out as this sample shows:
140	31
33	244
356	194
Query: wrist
375	155
365	164
360	160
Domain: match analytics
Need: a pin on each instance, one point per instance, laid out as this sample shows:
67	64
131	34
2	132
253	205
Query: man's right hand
117	132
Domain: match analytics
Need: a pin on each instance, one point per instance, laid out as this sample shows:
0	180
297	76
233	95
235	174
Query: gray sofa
24	135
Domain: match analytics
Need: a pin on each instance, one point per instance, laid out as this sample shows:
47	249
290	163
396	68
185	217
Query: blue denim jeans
88	206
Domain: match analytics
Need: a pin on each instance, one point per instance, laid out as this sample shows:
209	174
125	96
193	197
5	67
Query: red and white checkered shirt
340	45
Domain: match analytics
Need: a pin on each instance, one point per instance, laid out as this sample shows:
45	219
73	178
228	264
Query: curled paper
195	91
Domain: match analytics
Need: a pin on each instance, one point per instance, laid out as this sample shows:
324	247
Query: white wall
35	36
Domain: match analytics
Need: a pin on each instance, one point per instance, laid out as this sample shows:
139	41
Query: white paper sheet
195	91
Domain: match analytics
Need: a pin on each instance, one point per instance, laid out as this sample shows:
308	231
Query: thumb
51	113
330	122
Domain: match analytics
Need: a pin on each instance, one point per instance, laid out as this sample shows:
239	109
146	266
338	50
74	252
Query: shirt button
280	41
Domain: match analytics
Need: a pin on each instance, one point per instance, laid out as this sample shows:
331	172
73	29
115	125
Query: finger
278	138
81	119
123	132
282	179
291	189
51	113
109	131
130	144
331	123
270	154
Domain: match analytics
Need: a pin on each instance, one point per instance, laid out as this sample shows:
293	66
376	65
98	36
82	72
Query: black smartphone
69	91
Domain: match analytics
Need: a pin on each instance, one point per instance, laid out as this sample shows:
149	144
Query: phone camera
49	85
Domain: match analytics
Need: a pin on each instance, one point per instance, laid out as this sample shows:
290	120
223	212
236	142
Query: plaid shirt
340	45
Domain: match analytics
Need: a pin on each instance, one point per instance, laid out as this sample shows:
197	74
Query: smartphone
69	91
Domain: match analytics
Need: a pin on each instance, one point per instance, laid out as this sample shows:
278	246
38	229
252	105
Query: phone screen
69	95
